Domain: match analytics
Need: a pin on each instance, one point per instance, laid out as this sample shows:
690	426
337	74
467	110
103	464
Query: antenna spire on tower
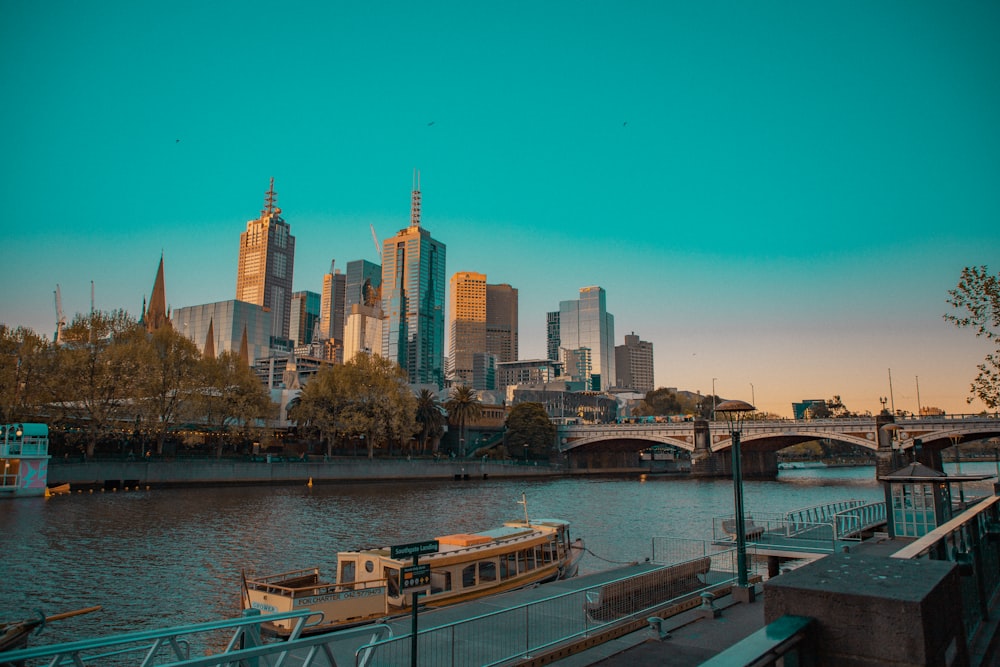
415	200
269	199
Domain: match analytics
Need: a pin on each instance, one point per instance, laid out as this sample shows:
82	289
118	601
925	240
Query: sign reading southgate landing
413	550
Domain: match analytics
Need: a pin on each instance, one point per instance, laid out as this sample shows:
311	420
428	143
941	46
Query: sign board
413	550
414	577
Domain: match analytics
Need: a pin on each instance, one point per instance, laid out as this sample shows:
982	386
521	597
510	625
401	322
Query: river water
170	557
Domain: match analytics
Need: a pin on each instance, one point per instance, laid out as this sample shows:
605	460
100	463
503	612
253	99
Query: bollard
707	608
656	628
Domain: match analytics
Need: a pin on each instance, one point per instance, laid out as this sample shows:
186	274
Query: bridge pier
706	463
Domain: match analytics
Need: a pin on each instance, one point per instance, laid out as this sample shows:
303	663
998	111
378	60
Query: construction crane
60	318
378	247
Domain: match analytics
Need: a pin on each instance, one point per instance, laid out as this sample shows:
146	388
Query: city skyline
777	197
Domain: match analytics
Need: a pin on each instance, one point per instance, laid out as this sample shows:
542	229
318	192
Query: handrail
924	544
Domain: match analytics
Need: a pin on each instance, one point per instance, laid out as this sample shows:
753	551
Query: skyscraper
634	364
331	309
501	322
467	314
413	299
364	283
586	339
266	264
304	316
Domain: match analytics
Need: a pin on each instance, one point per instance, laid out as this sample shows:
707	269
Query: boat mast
524	501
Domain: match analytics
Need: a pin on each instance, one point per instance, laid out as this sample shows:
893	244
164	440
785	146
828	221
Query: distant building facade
526	371
413	300
634	364
585	324
331	317
266	265
363	331
467	326
501	322
363	285
304	317
223	326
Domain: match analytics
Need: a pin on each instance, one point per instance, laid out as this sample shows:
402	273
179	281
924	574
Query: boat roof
458	541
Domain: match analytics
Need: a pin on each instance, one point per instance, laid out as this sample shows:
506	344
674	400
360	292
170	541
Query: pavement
692	638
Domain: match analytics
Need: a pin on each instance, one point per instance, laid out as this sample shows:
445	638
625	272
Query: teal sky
776	194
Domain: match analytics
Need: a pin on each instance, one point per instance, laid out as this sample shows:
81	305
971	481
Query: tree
230	397
23	357
977	298
170	379
321	405
95	378
660	401
430	418
463	406
529	428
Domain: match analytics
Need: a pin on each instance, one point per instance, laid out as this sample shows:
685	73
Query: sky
778	195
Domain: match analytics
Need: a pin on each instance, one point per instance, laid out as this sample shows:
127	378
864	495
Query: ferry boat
373	584
24	460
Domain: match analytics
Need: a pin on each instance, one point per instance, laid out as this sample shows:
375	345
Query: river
171	557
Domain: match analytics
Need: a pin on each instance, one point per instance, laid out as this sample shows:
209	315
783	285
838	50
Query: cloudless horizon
777	195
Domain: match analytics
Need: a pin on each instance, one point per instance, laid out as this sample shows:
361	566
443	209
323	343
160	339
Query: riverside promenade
163	473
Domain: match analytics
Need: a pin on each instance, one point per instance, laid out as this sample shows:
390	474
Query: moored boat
24	460
15	635
376	583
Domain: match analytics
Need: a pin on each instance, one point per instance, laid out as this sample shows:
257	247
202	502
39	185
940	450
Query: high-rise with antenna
413	298
266	264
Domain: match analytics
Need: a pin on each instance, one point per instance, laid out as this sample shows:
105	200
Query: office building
586	339
227	326
331	310
363	331
304	318
501	322
413	299
634	365
552	336
266	264
363	284
467	331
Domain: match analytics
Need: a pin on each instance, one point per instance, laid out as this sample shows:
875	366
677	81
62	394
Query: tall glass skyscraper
586	338
413	299
266	263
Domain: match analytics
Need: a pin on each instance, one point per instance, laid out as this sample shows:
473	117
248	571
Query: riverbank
221	472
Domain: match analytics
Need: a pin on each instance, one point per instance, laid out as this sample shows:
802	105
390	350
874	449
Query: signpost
415	578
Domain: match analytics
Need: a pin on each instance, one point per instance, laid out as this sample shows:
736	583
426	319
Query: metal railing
520	631
174	646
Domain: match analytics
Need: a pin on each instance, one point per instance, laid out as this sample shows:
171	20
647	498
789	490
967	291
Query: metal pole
413	639
741	535
713	398
917	378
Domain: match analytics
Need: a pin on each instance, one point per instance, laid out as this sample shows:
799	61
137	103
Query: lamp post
734	412
955	439
891	430
713	398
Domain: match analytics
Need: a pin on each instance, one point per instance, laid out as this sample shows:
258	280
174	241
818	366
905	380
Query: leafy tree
977	298
368	396
23	359
660	401
169	380
463	406
230	397
529	426
429	418
95	377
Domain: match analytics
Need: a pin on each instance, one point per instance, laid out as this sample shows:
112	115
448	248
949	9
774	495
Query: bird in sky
430	123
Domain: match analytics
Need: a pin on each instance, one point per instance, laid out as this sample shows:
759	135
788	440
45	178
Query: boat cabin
24	459
467	564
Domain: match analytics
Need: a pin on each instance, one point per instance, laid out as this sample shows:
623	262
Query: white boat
372	584
24	460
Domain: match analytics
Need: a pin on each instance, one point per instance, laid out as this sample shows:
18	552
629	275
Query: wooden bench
621	598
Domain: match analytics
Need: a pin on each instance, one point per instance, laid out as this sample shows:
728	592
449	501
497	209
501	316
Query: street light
734	412
891	430
713	398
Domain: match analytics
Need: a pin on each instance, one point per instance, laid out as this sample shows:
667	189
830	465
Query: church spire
156	315
209	351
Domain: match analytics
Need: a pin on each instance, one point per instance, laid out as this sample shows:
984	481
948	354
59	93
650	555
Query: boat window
440	581
469	575
346	572
508	566
487	571
525	560
392	580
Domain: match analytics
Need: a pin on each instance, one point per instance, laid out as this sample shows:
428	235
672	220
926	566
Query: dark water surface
171	557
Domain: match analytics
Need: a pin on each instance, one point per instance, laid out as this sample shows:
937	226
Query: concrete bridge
709	442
